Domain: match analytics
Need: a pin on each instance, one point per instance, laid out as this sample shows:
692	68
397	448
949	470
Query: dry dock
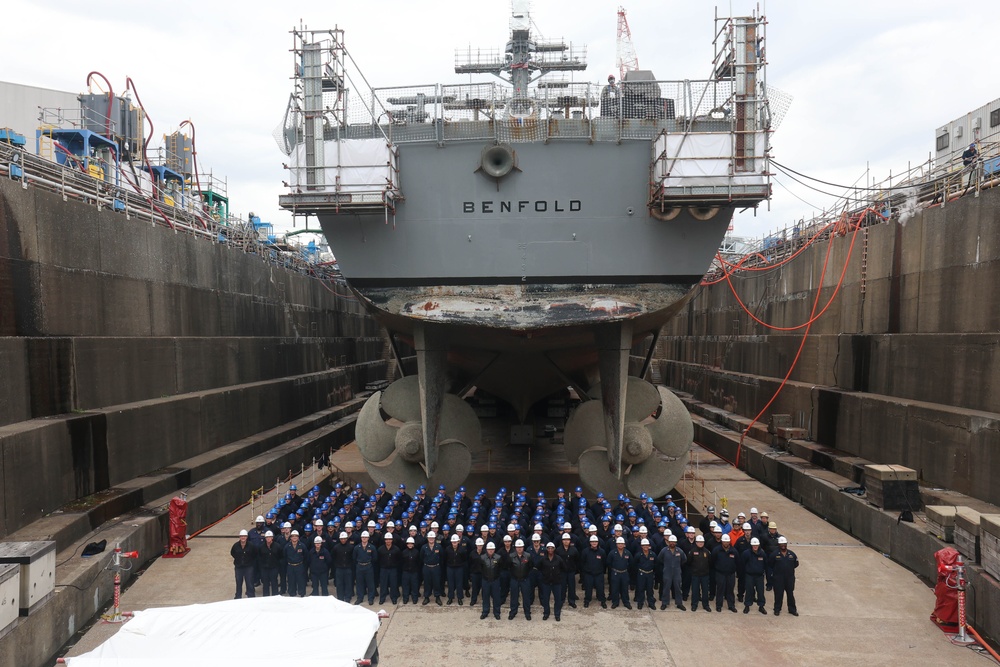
856	606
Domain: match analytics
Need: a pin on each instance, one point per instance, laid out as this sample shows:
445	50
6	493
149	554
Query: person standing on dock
388	564
672	560
295	560
593	564
754	564
319	567
645	567
552	569
491	566
431	556
269	558
700	559
725	559
364	563
520	581
571	555
244	559
410	570
343	561
619	562
456	555
783	562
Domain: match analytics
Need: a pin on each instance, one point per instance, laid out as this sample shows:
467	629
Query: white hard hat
286	525
726	538
550	545
618	526
747	526
390	525
431	535
782	540
592	528
388	536
371	523
753	510
538	526
620	540
511	527
479	541
536	538
349	524
593	538
343	535
668	532
364	533
672	538
690	529
643	530
741	514
268	534
243	533
644	542
754	542
700	538
455	538
410	540
460	528
565	536
508	538
295	532
412	528
713	524
484	527
434	524
318	540
318	522
259	519
567	525
519	543
490	545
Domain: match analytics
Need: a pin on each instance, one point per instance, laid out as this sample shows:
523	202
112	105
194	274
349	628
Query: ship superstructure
524	233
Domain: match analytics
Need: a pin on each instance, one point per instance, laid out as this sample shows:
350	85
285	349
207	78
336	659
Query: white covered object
310	631
704	159
360	165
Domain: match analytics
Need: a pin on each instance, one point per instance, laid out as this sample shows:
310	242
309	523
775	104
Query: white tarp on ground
363	165
703	159
249	632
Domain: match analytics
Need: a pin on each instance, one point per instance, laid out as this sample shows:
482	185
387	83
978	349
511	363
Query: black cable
848	187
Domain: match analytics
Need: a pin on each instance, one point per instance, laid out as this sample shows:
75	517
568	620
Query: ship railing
896	198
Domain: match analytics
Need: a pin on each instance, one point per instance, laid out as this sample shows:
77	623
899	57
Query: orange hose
808	326
982	643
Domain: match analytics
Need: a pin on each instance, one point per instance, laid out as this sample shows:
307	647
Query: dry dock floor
856	606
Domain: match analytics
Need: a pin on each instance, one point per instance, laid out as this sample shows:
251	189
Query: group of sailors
515	550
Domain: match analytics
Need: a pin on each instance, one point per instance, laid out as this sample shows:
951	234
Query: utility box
893	487
10	592
37	563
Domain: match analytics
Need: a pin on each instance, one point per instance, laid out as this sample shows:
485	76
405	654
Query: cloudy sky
870	80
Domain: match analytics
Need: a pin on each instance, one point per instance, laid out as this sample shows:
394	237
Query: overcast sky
870	81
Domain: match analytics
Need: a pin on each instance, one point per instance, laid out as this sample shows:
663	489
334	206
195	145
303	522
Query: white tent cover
312	631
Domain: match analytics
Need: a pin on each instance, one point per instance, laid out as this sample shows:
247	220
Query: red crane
627	60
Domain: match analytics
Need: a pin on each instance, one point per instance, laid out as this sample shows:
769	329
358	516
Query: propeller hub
410	442
637	445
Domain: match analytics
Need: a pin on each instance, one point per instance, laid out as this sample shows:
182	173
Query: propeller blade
459	422
656	476
454	464
584	430
397	471
376	440
401	399
672	431
641	400
595	473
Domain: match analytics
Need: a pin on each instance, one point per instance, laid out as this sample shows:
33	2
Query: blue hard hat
331	523
482	491
293	488
524	489
643	496
461	489
270	515
631	512
579	489
621	496
316	488
561	490
493	524
423	524
308	526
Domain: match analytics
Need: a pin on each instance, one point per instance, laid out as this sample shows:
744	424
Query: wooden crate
989	543
892	487
967	533
941	521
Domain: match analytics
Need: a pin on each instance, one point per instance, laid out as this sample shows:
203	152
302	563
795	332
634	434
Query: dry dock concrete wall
126	347
904	366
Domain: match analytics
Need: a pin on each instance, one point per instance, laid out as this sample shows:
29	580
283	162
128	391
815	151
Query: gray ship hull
515	274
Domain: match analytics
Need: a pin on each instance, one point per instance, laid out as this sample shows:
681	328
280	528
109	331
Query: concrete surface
856	606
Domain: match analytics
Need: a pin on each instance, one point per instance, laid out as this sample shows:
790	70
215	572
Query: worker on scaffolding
969	157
